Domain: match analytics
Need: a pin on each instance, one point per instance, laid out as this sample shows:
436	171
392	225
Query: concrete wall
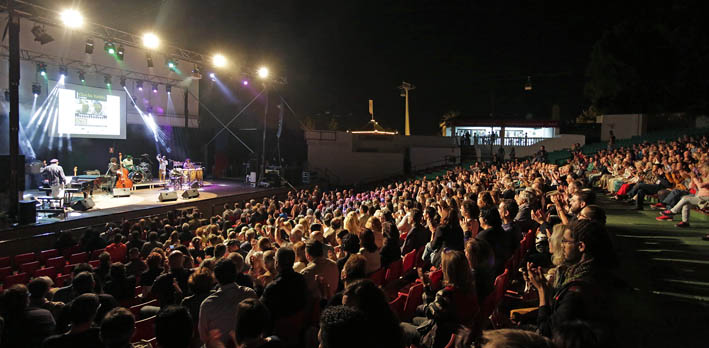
563	141
623	126
427	157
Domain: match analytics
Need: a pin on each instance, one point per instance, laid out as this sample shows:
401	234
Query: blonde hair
557	235
352	223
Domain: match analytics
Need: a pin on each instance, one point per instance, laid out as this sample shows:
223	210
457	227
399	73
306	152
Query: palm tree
447	119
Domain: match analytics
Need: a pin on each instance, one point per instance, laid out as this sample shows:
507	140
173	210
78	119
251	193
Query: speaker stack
168	196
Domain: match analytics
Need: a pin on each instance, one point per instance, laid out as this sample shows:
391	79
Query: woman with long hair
383	324
370	251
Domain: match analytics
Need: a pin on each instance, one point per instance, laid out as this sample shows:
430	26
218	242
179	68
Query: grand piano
88	183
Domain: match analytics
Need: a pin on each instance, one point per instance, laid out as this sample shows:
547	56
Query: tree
447	119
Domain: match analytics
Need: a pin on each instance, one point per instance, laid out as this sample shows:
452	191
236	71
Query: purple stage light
245	83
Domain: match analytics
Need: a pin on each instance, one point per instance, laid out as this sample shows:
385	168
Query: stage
142	202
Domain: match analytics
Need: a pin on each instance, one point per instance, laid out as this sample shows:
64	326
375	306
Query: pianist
54	173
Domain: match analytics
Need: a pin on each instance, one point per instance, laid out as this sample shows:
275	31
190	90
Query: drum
200	175
136	177
192	175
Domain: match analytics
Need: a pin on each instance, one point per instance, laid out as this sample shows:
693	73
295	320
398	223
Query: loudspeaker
191	193
167	196
27	212
83	205
121	192
195	185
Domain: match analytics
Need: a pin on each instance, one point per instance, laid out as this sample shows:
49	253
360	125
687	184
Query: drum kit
143	171
181	179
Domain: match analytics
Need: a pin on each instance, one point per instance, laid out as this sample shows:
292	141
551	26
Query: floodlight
82	77
36	89
219	60
168	89
109	47
245	82
123	81
120	52
7	95
212	76
171	64
72	18
42	69
263	72
139	85
89	46
151	41
40	34
62	71
149	58
107	80
155	88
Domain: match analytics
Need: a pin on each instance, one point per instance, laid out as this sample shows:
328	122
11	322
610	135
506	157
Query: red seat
63	280
94	263
50	272
4	272
79	258
5	262
96	253
394	271
24	258
413	299
378	276
451	342
20	278
144	329
409	261
56	262
493	299
436	280
73	250
397	306
419	258
29	267
68	269
45	255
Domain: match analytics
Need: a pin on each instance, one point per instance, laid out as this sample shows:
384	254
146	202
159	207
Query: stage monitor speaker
167	196
28	212
195	185
83	205
191	193
121	192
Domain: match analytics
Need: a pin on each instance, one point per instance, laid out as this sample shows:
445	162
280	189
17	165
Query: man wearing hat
54	174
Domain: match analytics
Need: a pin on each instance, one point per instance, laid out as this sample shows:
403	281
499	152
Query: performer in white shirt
162	167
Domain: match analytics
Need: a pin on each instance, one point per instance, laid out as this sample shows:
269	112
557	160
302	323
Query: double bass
123	181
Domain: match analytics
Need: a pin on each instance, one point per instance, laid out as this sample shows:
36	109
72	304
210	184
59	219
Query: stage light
72	18
109	47
263	72
89	49
139	85
196	73
171	64
42	69
7	95
155	88
168	89
149	58
36	89
82	77
212	76
123	81
245	82
120	52
107	80
219	60
528	84
40	34
151	41
62	71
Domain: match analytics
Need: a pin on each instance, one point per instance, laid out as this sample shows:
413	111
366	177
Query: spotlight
171	64
36	89
82	77
196	73
168	89
62	71
89	46
151	41
7	95
107	80
121	52
72	18
155	88
42	69
219	60
263	72
109	47
123	81
149	58
40	34
139	85
245	82
212	76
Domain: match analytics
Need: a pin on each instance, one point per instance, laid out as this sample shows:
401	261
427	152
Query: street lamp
405	88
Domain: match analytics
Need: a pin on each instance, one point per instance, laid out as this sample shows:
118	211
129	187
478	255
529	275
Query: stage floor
143	198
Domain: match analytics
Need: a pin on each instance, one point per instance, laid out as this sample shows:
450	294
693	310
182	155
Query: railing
320	135
496	141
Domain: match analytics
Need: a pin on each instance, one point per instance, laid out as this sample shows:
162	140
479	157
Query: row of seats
45	263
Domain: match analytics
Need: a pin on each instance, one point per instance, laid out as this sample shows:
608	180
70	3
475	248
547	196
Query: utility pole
14	72
405	88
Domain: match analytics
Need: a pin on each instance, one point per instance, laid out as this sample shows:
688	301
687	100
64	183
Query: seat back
394	271
5	272
50	272
413	299
20	278
79	258
96	253
378	276
419	257
436	280
63	280
56	262
397	306
144	329
408	261
29	267
5	261
44	255
24	258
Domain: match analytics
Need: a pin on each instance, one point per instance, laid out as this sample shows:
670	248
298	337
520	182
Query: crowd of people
295	271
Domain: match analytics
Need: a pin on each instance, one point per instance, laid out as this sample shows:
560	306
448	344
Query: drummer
187	164
128	163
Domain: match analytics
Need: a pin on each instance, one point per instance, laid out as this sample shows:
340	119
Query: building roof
458	122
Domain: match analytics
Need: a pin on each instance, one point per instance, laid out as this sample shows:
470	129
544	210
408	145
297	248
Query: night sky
461	55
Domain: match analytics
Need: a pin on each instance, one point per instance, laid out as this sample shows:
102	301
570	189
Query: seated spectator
324	268
135	266
480	258
349	246
201	283
253	323
117	249
66	294
342	327
121	287
135	241
24	326
39	289
155	268
688	202
169	288
117	328
288	293
390	251
382	323
269	265
355	269
469	213
370	251
151	244
494	235
218	311
418	235
173	327
82	333
242	278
